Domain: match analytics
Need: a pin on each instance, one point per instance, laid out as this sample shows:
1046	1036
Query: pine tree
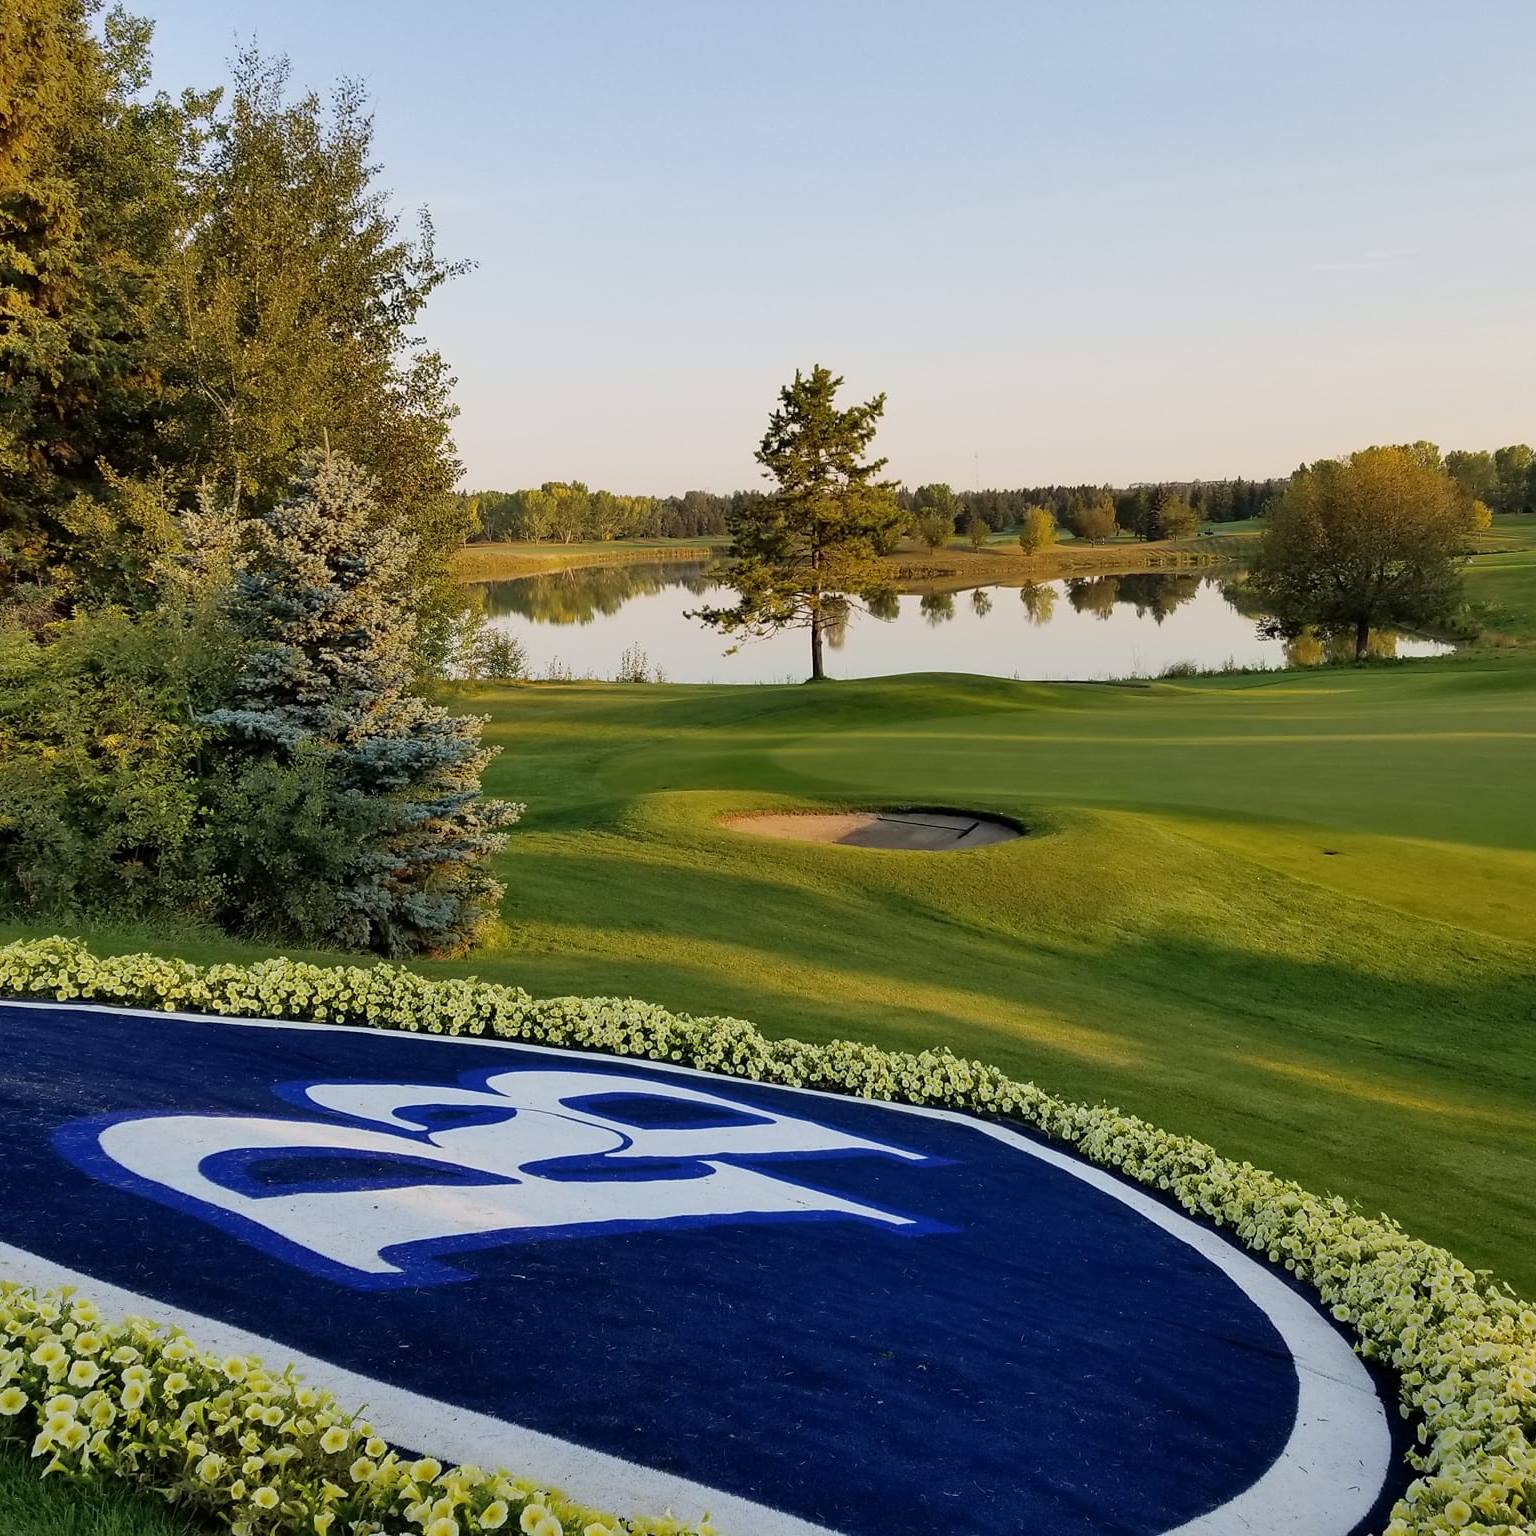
806	551
326	684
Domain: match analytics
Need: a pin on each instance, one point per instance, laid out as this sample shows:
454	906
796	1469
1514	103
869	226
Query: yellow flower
444	1525
363	1470
133	1396
49	1354
335	1440
1458	1512
12	1401
209	1468
236	1368
265	1498
323	1522
537	1521
426	1469
83	1373
493	1516
375	1447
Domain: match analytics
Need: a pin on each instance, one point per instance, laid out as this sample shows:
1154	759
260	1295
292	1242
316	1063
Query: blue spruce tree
391	836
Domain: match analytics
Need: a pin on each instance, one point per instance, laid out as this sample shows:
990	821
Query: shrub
1037	530
1463	1346
99	800
635	667
284	838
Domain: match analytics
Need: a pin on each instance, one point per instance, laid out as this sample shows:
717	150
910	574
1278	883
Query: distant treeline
568	511
1136	506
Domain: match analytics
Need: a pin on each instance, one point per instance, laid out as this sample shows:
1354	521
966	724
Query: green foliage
384	784
938	499
299	299
99	757
977	532
197	293
933	529
812	545
1092	517
1458	1342
91	201
1371	541
285	840
597	516
1515	467
1037	530
1176	519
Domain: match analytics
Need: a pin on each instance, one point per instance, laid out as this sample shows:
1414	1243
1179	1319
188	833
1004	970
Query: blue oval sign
661	1288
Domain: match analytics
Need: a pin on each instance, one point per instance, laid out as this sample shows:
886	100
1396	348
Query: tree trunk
1362	638
818	672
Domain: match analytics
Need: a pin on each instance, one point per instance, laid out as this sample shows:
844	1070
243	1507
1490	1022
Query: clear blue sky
1071	241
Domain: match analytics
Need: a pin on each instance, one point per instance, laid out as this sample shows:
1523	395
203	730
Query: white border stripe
1324	1482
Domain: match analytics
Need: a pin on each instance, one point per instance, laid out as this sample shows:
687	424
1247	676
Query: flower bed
267	1453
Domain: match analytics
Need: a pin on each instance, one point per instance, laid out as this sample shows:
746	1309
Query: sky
1077	241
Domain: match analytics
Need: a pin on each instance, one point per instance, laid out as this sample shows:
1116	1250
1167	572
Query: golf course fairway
1287	913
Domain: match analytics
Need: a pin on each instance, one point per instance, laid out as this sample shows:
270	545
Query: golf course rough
1463	1348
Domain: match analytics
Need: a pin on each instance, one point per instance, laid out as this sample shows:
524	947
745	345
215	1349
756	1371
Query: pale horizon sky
1071	242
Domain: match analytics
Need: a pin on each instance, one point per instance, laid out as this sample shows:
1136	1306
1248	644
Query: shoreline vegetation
912	569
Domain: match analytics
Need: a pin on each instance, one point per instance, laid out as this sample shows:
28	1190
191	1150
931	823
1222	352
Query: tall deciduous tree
1092	517
1516	469
1037	530
809	548
91	207
326	686
297	297
1374	539
1176	519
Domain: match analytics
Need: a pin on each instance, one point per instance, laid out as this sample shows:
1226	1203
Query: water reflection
581	622
590	591
1039	601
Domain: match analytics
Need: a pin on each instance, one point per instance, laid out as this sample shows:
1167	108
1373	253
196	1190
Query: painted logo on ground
806	1313
506	1156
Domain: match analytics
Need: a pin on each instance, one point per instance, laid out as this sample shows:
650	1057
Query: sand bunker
918	831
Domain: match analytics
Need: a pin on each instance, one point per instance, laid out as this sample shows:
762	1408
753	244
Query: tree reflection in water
578	596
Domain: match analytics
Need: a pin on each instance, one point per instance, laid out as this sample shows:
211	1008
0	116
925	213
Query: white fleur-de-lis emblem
400	1172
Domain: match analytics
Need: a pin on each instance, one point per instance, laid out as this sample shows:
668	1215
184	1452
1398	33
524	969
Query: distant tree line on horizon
568	511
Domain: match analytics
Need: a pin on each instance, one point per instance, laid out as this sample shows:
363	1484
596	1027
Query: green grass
29	1507
1501	580
1290	914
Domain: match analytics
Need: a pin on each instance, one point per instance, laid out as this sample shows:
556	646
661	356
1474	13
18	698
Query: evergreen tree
324	694
810	547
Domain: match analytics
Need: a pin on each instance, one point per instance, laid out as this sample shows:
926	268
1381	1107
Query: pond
580	623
